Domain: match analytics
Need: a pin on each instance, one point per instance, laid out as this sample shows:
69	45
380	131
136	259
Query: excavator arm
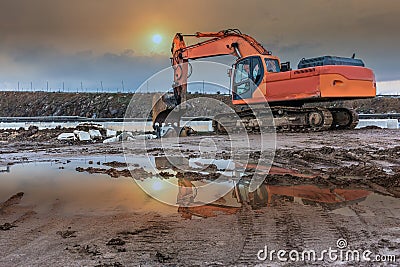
226	42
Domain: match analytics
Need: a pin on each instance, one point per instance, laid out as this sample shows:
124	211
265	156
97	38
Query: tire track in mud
366	236
249	236
146	242
211	241
295	227
273	225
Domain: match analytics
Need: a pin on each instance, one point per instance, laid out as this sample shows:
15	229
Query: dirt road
323	187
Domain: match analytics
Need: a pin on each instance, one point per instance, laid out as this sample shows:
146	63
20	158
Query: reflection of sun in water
157	185
157	38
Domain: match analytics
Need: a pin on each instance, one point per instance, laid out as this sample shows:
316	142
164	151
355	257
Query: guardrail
380	116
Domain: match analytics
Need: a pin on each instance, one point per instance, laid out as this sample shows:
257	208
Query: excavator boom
227	42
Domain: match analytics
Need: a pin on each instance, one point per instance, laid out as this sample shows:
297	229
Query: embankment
113	105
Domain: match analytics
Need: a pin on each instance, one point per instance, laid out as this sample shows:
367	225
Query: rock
111	133
125	136
109	255
66	234
6	226
115	164
32	130
143	137
111	140
128	136
95	134
66	136
116	242
82	135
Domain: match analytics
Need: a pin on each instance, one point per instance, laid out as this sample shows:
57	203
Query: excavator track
344	118
302	119
285	119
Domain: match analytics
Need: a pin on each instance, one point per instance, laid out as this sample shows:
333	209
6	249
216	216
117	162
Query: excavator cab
248	74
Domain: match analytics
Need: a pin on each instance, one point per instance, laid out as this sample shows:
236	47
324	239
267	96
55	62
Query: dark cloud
110	41
41	64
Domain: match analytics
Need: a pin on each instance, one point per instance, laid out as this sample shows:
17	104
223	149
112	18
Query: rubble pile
83	133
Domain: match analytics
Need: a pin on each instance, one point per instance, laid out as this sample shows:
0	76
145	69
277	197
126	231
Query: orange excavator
258	77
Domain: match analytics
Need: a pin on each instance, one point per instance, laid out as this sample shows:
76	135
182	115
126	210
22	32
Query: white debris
128	136
382	123
95	134
82	135
393	124
125	136
111	140
111	133
145	136
66	136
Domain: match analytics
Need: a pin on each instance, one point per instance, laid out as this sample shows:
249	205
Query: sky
89	43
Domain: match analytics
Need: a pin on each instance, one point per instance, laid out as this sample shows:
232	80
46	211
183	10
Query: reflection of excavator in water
259	77
266	195
308	193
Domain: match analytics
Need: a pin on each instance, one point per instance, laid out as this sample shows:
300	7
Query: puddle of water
57	185
46	186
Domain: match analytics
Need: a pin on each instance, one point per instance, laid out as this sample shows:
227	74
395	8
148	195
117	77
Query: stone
66	136
95	134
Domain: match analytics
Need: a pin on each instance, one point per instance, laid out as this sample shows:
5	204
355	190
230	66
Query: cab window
272	65
257	70
242	71
241	79
247	76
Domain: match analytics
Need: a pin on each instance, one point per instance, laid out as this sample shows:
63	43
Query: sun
157	38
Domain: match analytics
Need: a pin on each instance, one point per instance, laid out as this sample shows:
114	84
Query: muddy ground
322	187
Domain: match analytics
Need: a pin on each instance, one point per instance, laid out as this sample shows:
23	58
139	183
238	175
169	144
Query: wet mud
321	187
